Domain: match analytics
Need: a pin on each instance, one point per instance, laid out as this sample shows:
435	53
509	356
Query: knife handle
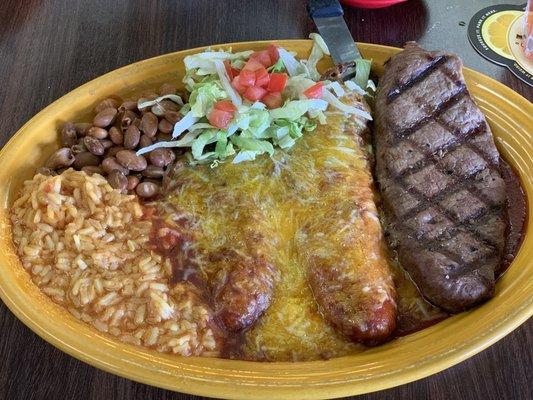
325	8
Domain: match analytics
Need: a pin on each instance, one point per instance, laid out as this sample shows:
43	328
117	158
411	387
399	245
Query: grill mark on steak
443	196
440	109
432	66
481	216
460	182
425	203
456	132
430	157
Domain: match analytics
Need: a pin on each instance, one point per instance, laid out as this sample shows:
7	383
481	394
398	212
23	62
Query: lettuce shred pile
255	130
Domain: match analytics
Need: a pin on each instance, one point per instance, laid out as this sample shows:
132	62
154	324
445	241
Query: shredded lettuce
183	124
226	84
204	63
204	96
291	63
296	85
354	87
336	87
317	52
253	130
186	141
362	72
278	66
335	102
297	108
144	103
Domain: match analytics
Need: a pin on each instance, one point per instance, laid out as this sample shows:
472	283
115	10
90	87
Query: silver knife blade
338	38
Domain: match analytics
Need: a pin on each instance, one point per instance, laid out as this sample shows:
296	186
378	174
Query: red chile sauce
175	242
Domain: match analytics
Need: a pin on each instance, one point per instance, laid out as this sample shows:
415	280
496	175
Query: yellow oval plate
402	360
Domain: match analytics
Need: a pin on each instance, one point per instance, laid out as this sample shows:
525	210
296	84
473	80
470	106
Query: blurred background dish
371	3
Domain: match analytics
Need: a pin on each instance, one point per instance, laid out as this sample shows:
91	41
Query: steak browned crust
439	175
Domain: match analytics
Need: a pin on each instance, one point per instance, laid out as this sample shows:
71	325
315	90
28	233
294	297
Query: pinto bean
144	141
110	164
82	128
172	117
131	137
107	143
69	136
45	171
130	160
93	169
107	103
105	117
161	157
97	132
94	145
78	148
149	124
154	172
147	189
84	159
127	105
165	126
118	180
127	119
61	158
112	152
116	135
163	137
133	181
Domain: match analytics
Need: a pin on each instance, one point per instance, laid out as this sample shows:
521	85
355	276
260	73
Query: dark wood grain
48	48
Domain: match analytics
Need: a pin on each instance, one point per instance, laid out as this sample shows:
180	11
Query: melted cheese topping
290	209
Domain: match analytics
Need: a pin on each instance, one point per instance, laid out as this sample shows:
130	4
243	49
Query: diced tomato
232	72
273	53
261	77
254	93
219	118
247	78
237	85
263	57
225	105
252	65
235	71
277	82
315	91
272	100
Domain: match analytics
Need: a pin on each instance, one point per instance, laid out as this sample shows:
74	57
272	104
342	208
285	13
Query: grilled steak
438	170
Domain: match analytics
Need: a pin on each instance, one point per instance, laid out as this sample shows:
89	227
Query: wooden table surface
48	48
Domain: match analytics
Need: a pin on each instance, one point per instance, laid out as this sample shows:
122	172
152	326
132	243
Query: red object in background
371	3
